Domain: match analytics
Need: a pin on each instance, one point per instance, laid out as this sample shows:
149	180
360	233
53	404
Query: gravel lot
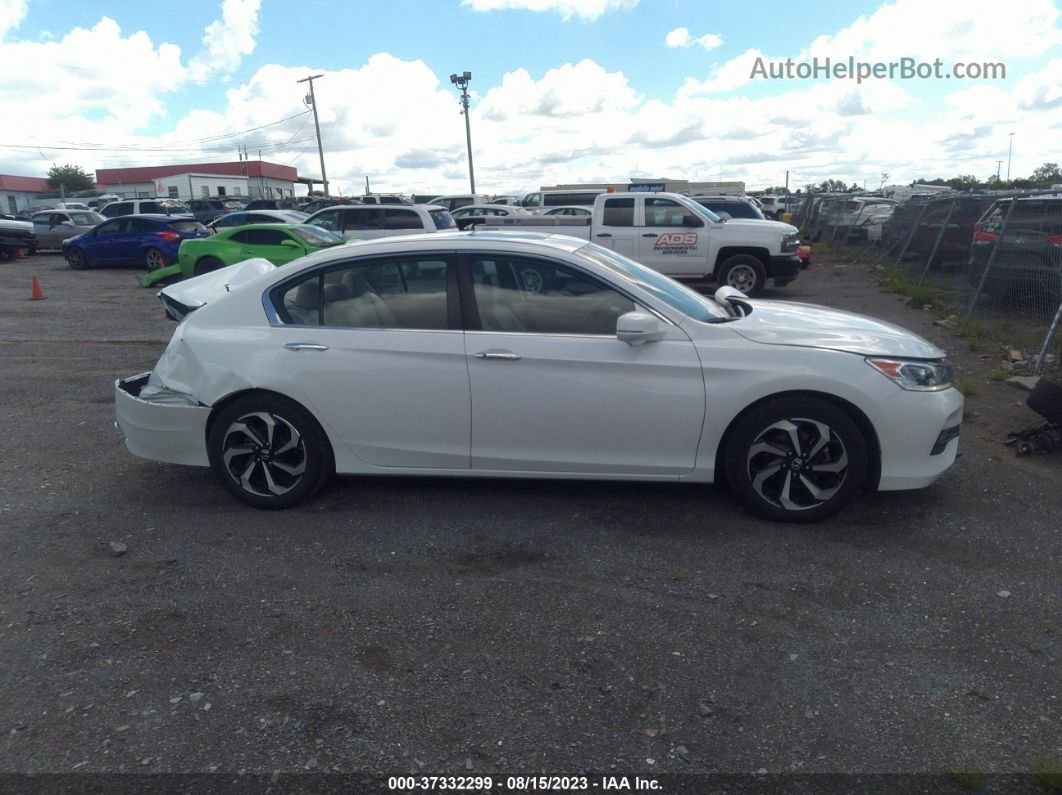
448	627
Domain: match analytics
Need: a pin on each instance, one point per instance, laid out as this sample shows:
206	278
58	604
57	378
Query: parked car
341	362
277	243
207	210
383	198
482	210
245	217
382	220
314	205
542	200
16	235
1029	255
570	210
148	240
145	206
55	226
461	200
730	206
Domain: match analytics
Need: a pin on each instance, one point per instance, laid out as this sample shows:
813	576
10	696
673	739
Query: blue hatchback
148	240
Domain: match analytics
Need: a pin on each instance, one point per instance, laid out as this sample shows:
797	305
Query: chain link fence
993	262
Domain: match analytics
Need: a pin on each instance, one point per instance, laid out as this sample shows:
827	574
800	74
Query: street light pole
317	125
461	81
1009	152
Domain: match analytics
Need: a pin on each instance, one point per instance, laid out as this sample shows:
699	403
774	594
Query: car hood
811	326
23	226
757	224
201	290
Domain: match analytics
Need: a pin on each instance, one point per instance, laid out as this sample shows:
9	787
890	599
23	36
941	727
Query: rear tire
795	459
207	265
154	260
269	452
744	272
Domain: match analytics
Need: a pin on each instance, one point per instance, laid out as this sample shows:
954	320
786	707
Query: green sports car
278	243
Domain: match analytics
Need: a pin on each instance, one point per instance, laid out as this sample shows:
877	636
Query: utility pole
999	165
461	81
1010	151
313	104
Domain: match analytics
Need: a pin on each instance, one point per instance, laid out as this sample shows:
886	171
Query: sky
562	91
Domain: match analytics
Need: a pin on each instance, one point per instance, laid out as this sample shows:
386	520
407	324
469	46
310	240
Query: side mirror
638	328
290	244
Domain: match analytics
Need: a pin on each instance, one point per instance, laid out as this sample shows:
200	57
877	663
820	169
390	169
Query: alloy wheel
796	464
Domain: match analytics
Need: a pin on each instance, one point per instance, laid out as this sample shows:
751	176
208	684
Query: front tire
795	459
75	258
154	260
269	451
744	272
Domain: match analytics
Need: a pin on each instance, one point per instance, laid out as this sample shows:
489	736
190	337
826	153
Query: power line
175	147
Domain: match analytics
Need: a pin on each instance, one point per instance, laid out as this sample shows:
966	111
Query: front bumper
922	439
784	268
169	431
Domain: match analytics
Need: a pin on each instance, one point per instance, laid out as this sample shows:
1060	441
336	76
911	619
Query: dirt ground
152	629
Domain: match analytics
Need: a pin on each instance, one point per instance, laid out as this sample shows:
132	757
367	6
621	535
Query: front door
672	238
554	390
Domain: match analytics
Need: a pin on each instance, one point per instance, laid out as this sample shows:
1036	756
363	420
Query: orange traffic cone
38	295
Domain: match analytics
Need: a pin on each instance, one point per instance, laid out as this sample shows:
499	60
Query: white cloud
680	37
11	14
589	10
734	73
971	30
577	122
227	41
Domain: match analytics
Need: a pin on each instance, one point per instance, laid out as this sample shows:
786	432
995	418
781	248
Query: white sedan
429	355
480	210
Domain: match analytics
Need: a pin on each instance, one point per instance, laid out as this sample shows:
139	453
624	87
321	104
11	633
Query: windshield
86	218
316	236
675	295
704	211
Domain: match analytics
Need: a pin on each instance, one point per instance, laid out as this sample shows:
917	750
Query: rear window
442	219
190	227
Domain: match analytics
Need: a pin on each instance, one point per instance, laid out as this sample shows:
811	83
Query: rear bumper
172	431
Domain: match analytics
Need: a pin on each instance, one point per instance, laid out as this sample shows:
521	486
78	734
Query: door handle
305	346
507	355
604	234
650	234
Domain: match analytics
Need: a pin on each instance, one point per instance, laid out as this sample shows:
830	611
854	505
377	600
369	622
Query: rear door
376	350
617	227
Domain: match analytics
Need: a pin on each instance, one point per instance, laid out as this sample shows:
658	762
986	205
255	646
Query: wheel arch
726	252
866	429
231	398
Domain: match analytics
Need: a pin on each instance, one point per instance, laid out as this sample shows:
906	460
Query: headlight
790	242
919	375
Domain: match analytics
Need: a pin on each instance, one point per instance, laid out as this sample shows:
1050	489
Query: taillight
1055	240
168	235
983	236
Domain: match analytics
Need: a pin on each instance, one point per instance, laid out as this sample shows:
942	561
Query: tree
1048	173
70	178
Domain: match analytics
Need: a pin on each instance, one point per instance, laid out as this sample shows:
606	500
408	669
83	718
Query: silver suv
141	206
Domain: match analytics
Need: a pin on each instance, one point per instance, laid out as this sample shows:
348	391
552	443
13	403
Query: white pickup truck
675	235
